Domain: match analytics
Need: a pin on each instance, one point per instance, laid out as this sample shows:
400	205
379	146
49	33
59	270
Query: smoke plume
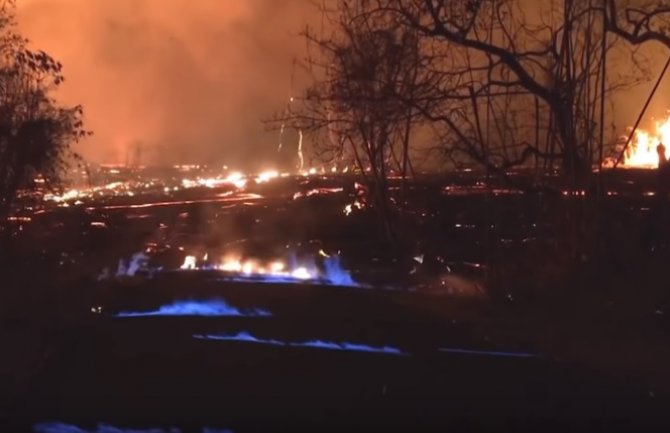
174	80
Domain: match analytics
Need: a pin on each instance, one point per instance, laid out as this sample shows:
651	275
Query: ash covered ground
189	298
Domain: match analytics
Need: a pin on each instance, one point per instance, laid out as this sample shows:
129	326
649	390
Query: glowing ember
188	177
114	188
231	266
237	179
68	195
136	186
20	219
248	268
642	150
277	267
348	209
189	263
301	273
266	176
316	191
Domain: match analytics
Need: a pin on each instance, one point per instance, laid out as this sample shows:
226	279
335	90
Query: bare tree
368	68
639	21
518	83
502	83
535	68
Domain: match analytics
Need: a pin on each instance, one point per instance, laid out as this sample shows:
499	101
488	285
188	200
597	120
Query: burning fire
266	176
641	152
235	178
277	270
250	268
292	270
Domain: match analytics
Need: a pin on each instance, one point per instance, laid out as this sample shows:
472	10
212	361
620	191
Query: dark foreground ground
149	372
565	357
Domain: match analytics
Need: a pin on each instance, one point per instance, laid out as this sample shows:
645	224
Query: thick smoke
180	80
190	80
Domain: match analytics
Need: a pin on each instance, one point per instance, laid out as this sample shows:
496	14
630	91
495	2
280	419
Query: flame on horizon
642	150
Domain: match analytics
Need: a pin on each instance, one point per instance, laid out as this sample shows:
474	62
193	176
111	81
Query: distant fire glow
208	308
641	151
187	177
315	344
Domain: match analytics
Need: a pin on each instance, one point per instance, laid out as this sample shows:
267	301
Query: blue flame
332	278
137	262
240	336
58	427
352	347
317	344
244	336
209	308
335	274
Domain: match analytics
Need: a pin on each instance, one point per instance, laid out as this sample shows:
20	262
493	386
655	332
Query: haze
189	81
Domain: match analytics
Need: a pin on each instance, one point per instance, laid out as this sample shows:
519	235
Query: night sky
191	81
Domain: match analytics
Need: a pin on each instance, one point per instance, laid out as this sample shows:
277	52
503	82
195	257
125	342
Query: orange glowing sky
189	80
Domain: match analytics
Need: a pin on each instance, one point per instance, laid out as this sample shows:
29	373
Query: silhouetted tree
368	69
35	131
531	70
639	21
520	83
501	83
